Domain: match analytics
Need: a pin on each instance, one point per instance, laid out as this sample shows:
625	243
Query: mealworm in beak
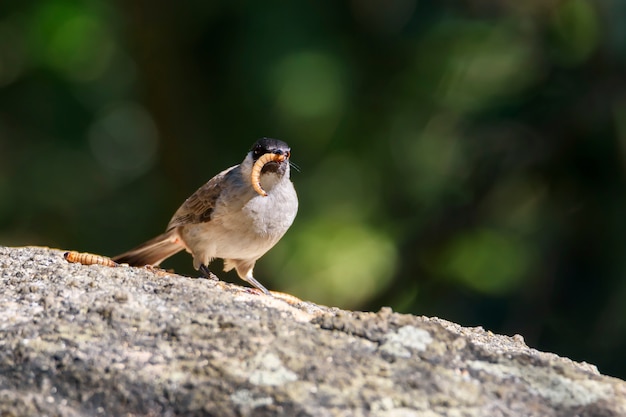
88	259
258	166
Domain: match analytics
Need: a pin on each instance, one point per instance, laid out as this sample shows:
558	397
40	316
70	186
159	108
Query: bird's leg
249	278
204	269
244	269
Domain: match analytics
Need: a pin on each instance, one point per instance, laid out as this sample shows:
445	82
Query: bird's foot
206	273
258	285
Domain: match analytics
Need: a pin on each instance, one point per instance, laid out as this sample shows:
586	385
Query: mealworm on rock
88	259
258	166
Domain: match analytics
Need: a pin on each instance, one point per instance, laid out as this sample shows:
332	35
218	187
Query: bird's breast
273	214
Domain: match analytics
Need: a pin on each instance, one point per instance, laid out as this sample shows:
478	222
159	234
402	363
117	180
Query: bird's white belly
240	234
208	241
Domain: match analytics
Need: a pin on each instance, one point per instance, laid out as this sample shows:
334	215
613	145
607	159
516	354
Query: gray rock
81	340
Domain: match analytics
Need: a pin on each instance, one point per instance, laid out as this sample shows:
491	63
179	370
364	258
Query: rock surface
81	340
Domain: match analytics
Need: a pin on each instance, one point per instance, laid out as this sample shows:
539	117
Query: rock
81	340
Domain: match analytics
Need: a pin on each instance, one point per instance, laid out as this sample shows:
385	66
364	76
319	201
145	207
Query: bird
237	216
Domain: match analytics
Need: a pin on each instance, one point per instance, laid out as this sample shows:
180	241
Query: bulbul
237	216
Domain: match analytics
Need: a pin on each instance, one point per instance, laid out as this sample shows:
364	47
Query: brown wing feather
198	208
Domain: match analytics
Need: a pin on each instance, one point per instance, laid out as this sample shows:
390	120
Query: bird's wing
199	207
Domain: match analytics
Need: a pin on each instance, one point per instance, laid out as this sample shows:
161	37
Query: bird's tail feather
154	251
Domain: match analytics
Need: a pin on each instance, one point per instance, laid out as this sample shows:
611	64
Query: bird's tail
154	251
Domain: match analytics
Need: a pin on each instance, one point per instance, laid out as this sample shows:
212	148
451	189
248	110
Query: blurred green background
459	159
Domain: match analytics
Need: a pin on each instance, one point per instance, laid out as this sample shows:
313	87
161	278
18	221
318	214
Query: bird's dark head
269	145
272	146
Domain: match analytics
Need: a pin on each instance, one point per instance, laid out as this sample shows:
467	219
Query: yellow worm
88	259
258	166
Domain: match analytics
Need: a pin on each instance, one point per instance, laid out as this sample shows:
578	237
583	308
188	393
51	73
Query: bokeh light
464	160
124	140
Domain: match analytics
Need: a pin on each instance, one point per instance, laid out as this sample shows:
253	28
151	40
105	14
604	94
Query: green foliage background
459	159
